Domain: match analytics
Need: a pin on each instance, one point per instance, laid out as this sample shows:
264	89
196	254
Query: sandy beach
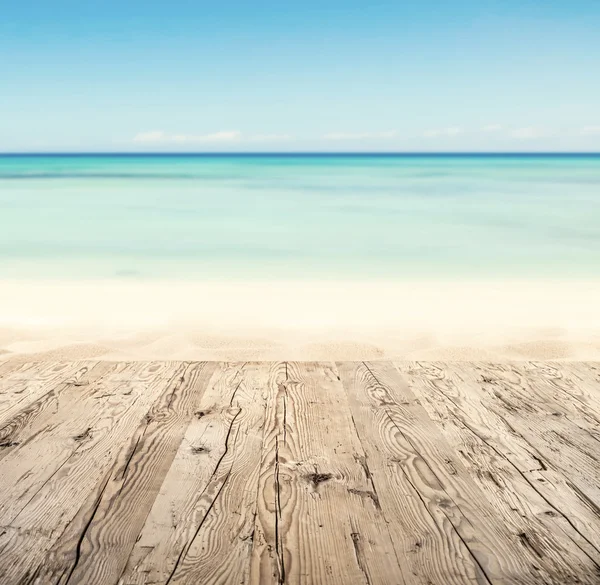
170	320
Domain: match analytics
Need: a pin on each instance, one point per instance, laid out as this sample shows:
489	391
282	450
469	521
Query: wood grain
319	518
579	385
96	544
425	540
501	552
537	409
21	387
201	526
66	463
6	367
513	477
171	473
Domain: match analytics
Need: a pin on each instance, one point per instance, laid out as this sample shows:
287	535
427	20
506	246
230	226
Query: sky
316	75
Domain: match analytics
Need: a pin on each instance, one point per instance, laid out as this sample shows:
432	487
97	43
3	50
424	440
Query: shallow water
276	217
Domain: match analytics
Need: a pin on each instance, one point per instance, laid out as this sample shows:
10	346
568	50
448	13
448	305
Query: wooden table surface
299	472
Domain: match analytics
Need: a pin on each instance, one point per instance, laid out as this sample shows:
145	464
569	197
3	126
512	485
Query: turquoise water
239	217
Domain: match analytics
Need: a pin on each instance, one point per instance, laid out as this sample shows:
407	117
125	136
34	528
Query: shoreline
300	320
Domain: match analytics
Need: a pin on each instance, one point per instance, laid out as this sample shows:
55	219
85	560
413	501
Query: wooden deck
348	473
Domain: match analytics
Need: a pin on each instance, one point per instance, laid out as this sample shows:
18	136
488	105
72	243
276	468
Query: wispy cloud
157	136
451	131
226	136
492	128
590	130
269	138
527	133
153	136
360	135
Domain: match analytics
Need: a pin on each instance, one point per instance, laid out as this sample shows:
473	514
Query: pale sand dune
481	320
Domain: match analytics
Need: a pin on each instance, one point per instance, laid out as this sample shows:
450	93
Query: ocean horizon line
291	154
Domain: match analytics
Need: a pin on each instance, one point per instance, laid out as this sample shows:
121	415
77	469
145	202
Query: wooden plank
319	518
95	545
502	553
548	418
201	526
47	435
508	472
585	390
579	383
163	473
82	437
23	386
9	366
469	388
588	372
559	389
59	427
20	422
430	549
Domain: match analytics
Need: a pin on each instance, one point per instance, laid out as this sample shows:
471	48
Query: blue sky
315	75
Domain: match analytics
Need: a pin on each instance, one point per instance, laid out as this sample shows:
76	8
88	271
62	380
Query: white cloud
451	131
161	137
360	135
155	136
270	138
526	133
226	136
492	128
158	137
590	130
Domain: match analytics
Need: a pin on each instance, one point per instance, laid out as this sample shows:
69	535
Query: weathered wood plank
579	384
201	526
319	518
95	545
63	465
9	366
502	553
513	478
48	434
20	424
555	390
537	407
589	373
163	473
430	549
21	387
467	386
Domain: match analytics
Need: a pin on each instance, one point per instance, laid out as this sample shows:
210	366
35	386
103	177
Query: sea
299	216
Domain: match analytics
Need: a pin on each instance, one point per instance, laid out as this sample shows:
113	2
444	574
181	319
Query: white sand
300	320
